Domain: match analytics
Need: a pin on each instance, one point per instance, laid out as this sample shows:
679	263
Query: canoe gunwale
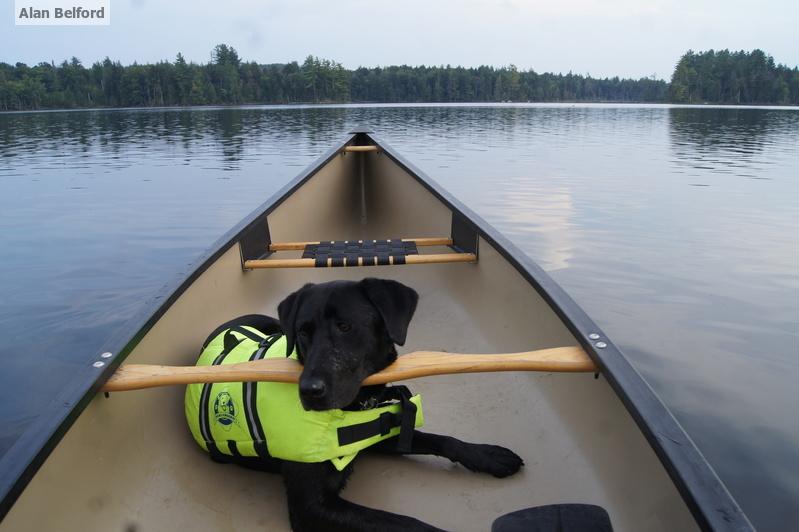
18	465
705	495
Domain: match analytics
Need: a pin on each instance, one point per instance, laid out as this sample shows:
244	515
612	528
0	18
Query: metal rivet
593	336
106	355
601	345
99	364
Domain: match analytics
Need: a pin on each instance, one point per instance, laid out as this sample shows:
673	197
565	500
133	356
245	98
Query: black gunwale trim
706	496
21	462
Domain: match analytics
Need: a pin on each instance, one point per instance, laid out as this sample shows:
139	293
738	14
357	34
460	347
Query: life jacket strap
255	337
383	424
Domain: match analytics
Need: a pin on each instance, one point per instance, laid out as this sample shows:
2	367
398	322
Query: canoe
126	461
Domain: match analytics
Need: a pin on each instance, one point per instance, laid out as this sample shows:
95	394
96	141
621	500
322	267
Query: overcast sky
601	37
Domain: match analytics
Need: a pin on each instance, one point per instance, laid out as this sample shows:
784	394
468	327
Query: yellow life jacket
267	418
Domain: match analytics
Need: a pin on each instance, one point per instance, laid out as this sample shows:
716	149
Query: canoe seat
555	518
360	252
337	253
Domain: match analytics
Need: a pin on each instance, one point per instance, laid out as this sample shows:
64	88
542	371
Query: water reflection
549	222
675	228
729	140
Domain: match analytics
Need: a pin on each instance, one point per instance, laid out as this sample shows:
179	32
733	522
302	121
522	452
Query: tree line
699	77
733	77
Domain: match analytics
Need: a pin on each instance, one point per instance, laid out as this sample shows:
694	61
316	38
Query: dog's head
344	331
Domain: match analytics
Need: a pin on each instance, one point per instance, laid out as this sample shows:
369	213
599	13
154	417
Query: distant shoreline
345	105
714	78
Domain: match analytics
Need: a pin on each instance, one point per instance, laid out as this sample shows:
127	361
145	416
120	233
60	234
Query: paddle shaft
412	365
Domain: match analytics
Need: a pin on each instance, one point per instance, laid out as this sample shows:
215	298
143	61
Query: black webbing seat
372	252
366	252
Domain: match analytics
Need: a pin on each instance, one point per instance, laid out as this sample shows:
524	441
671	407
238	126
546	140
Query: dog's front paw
492	459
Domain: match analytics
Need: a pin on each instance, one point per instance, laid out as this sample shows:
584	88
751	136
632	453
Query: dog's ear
395	302
287	312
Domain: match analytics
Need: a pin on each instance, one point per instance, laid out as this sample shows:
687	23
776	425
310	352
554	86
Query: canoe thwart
361	149
293	246
417	364
390	260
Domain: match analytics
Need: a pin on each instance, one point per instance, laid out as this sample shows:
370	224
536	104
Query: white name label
62	12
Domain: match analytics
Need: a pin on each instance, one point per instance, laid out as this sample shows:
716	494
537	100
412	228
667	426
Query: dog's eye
344	327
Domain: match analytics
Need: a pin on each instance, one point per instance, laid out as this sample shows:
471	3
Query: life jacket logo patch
224	410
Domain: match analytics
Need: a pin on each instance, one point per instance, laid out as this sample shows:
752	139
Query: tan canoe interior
129	462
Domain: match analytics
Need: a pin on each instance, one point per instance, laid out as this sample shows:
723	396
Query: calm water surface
677	229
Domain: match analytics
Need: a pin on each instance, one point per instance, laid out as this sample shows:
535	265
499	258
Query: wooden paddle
412	365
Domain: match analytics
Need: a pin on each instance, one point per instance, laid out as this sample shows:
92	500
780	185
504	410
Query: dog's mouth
321	404
316	404
334	397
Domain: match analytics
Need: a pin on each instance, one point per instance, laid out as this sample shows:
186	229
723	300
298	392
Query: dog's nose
312	387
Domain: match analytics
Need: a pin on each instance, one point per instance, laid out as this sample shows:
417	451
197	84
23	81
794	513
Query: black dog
345	331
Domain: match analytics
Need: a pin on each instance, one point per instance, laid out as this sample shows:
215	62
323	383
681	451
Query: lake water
677	229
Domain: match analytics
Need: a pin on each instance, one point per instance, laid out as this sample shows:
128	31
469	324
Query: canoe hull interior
129	462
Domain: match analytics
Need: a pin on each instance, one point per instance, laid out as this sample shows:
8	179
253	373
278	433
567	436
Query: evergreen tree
732	77
711	76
